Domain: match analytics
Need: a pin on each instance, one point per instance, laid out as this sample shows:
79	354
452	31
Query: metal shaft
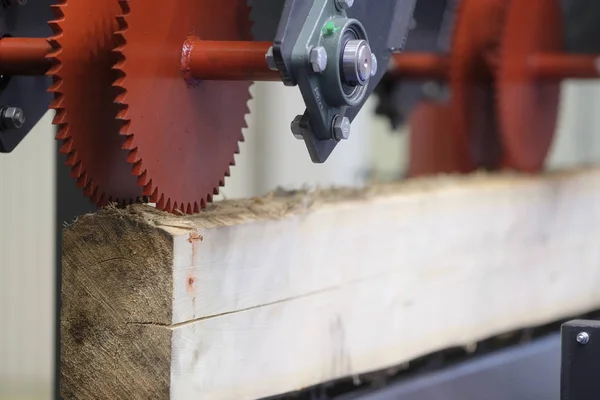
226	60
564	66
420	65
24	56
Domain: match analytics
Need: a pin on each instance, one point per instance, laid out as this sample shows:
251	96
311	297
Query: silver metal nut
12	118
271	60
318	59
583	338
296	128
344	4
341	128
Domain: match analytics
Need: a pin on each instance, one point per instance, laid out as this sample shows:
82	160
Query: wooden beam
265	296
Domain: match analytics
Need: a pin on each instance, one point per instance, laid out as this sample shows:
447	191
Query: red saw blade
528	108
181	136
82	75
479	25
433	148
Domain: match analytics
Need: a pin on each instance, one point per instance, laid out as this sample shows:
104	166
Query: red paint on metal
180	139
86	113
478	28
433	149
558	66
226	60
24	56
527	106
420	65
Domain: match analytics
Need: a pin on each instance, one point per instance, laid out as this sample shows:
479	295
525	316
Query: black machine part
431	31
314	47
23	99
580	363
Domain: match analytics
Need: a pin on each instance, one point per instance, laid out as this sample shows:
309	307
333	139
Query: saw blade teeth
137	168
82	180
128	143
63	132
72	159
160	204
148	189
89	189
143	179
56	85
67	146
60	117
121	98
57	103
154	196
77	169
196	207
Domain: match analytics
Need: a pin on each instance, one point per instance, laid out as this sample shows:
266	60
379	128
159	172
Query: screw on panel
583	338
341	128
343	4
318	59
11	118
271	60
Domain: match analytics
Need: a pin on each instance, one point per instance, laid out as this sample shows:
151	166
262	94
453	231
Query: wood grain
269	295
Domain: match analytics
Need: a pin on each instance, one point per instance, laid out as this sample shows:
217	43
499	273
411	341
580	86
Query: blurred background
31	209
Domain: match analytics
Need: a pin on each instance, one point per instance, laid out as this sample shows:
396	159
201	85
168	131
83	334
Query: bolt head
271	59
297	128
341	128
318	59
13	118
583	338
344	4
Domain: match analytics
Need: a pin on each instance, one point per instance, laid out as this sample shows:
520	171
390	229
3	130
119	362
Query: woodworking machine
150	96
150	100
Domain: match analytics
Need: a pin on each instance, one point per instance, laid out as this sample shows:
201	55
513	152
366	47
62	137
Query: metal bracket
332	103
580	360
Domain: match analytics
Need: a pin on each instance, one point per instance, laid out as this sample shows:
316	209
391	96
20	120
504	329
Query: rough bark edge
281	204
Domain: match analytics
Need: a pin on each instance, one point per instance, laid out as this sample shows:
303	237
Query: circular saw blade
181	138
527	108
475	45
82	42
433	149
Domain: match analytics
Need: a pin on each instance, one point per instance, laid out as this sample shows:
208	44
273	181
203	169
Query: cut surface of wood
270	295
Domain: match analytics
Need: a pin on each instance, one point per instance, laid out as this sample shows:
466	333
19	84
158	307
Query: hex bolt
583	338
374	64
271	63
318	59
343	4
341	128
296	128
11	118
